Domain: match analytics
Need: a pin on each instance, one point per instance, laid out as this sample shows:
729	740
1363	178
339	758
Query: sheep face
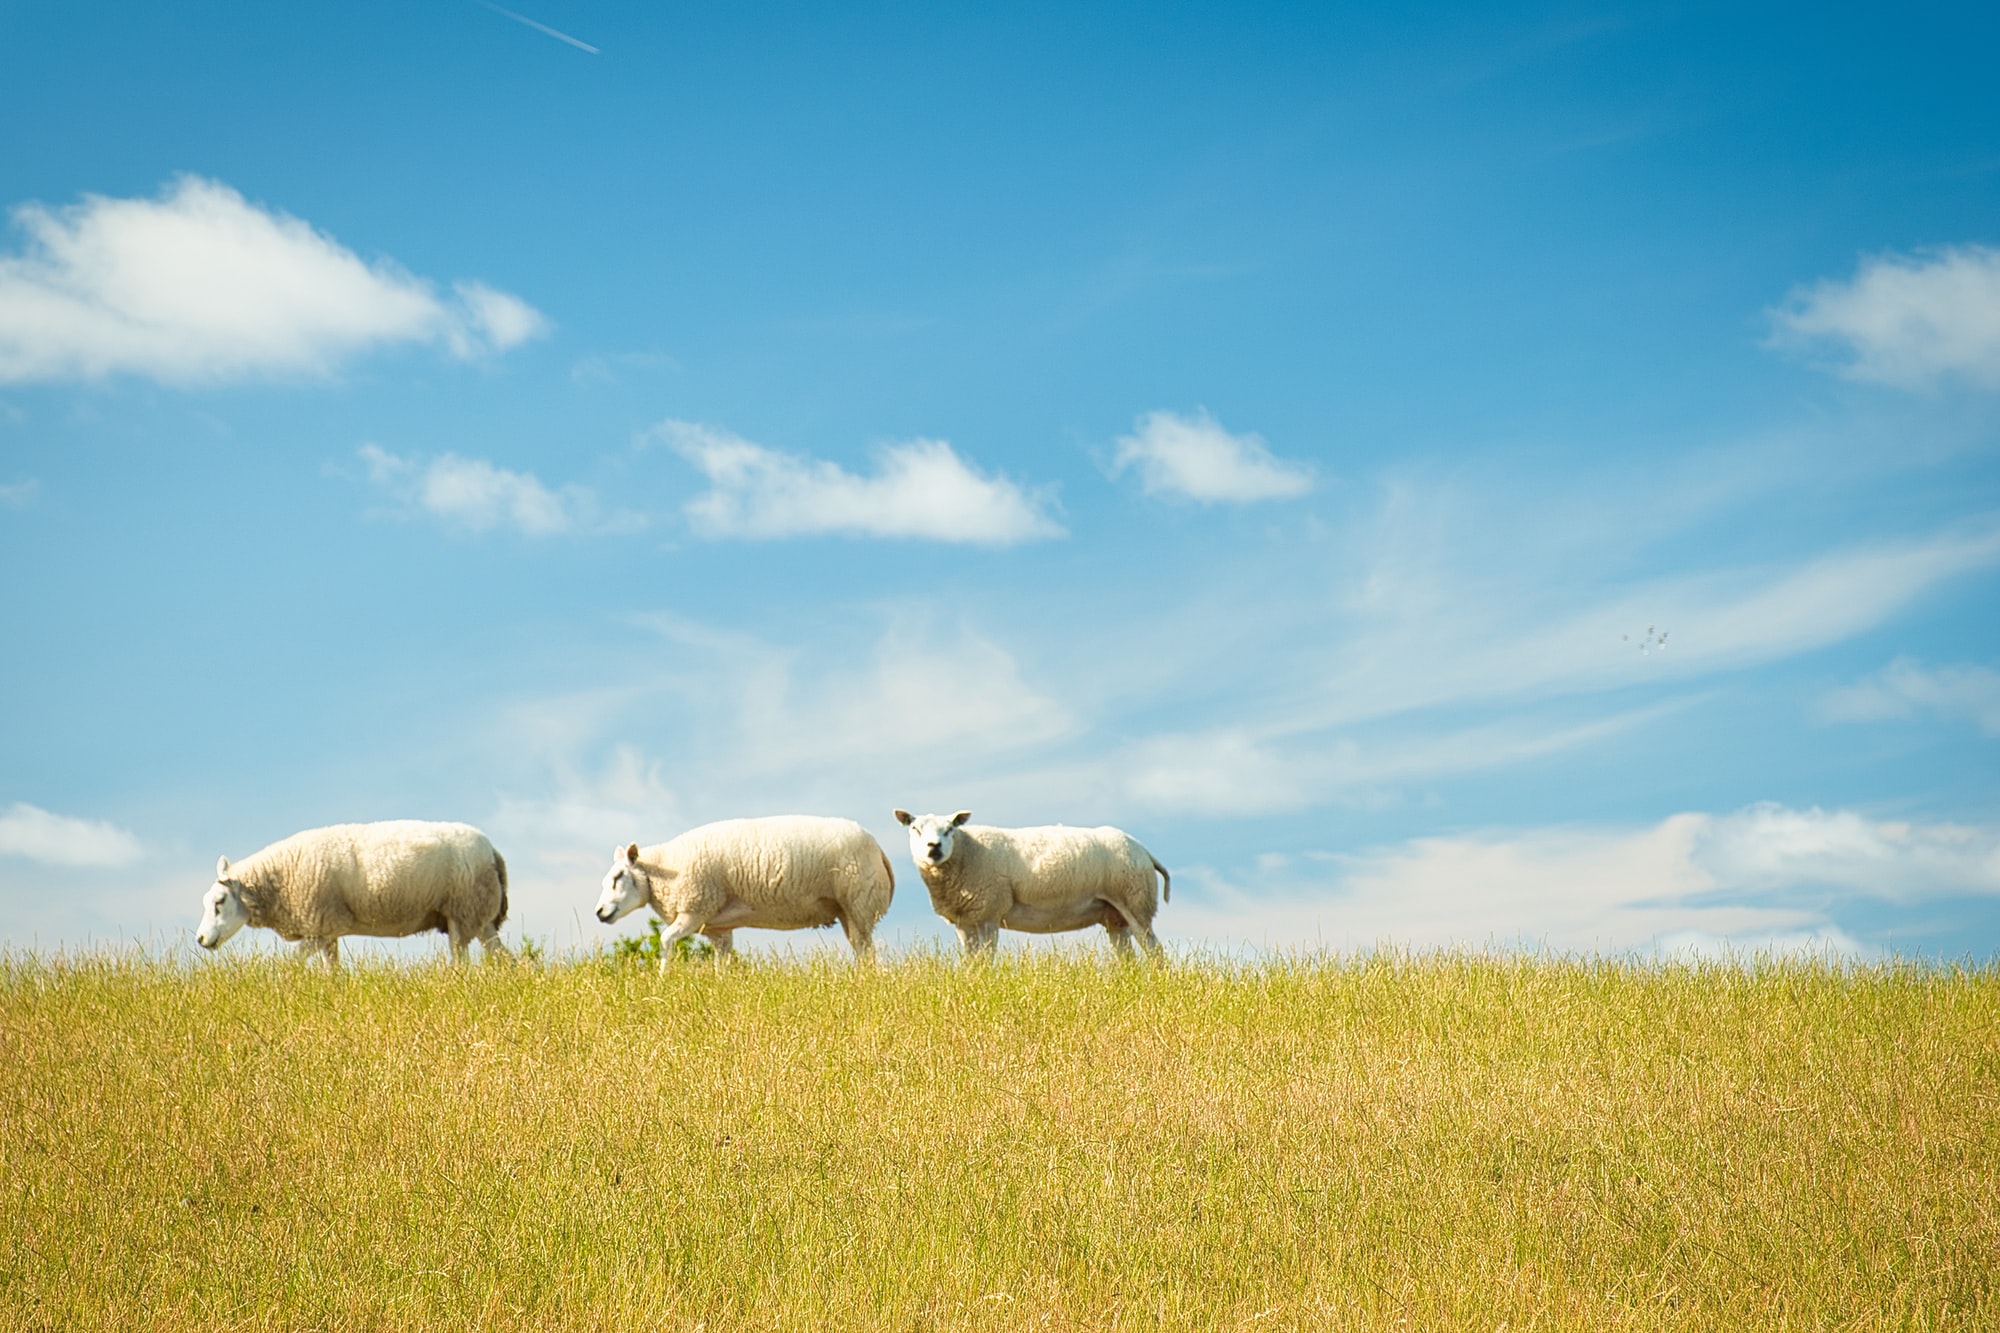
222	909
625	887
933	838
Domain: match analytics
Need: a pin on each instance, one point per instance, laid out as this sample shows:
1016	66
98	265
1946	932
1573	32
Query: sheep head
626	887
933	838
223	911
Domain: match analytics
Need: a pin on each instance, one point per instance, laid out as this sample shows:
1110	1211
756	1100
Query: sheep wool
779	872
389	879
1040	880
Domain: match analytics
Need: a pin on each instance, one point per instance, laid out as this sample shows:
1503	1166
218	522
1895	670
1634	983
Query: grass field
1435	1143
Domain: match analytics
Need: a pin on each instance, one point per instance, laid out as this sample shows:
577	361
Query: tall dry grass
1437	1143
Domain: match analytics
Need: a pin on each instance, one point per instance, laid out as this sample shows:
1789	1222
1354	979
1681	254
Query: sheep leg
724	941
1127	926
460	946
686	924
491	948
980	939
859	938
329	948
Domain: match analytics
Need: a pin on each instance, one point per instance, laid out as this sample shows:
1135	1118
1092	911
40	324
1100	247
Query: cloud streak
199	286
542	28
921	490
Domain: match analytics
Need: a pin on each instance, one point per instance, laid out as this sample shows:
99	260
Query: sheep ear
222	867
960	818
632	853
903	817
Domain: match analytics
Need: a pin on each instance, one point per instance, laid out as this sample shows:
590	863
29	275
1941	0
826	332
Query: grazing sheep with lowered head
782	872
399	877
1040	880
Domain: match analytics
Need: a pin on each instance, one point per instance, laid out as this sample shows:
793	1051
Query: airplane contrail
541	28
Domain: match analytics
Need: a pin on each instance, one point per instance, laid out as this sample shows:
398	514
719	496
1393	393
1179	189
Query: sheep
399	877
781	872
1040	880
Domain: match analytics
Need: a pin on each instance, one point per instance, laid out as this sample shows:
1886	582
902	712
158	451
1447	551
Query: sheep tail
500	872
1167	893
888	870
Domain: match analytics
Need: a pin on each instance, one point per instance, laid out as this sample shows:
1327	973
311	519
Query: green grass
1433	1143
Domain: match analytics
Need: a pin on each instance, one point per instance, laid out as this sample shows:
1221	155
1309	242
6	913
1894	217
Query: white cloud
1771	847
570	829
899	706
479	496
19	494
494	320
752	724
1906	687
1906	320
1693	884
922	489
201	286
1196	458
58	840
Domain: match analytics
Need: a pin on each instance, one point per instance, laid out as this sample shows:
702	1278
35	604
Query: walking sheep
783	872
399	877
1039	880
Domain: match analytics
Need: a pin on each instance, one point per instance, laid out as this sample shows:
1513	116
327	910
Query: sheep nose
935	853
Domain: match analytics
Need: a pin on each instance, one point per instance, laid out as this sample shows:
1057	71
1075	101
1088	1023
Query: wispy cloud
1906	320
1271	770
480	496
921	490
1194	458
542	28
201	286
611	367
1693	883
1453	637
19	494
34	834
1907	687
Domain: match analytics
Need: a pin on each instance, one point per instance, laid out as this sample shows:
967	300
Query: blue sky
1274	430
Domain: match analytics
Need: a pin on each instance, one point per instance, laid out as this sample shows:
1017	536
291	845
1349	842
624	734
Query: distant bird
1651	641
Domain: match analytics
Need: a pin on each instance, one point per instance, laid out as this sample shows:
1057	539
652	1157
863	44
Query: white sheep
1039	880
399	877
782	872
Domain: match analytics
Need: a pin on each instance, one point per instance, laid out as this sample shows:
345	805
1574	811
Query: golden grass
1434	1143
